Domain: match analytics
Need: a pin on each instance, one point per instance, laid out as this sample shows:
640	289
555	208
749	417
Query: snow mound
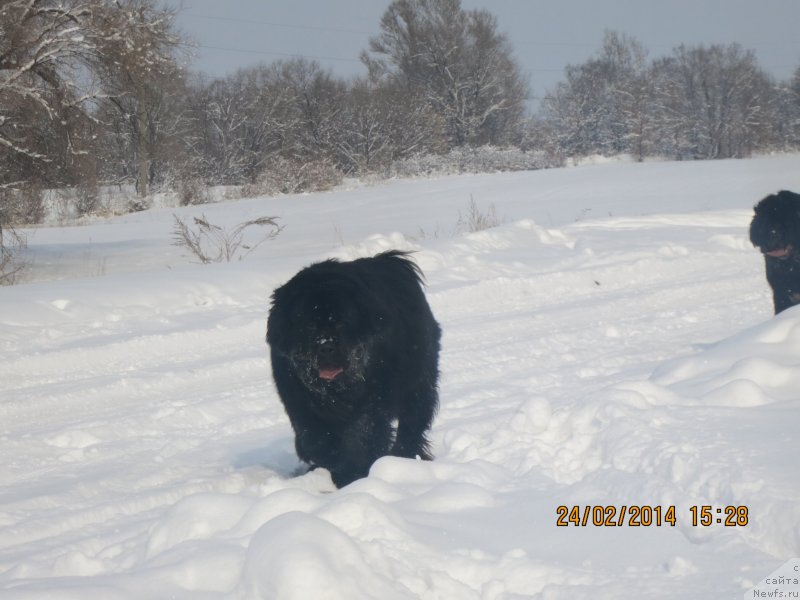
758	366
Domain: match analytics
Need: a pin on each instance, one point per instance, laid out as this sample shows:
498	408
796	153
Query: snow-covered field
610	344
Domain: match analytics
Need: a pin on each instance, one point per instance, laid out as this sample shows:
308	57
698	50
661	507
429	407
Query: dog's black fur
775	230
355	349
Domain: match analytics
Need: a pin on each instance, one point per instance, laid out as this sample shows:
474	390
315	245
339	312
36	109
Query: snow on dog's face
775	228
330	342
326	335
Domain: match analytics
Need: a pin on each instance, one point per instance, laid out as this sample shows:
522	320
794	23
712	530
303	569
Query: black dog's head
775	229
319	322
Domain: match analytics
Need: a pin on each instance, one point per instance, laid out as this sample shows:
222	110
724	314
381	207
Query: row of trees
438	78
92	92
700	102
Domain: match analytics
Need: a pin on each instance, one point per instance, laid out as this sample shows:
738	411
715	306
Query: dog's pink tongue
330	374
779	253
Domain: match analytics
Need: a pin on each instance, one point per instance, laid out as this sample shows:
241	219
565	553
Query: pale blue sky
546	34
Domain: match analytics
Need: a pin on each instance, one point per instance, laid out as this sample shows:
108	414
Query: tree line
700	102
93	93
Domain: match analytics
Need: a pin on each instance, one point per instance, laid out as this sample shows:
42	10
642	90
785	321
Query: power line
271	24
316	57
270	53
528	43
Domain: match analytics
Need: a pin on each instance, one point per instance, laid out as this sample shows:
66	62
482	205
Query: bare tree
219	116
381	124
61	63
134	57
12	246
44	119
786	124
604	105
239	124
714	100
316	99
42	105
265	116
457	61
782	107
700	102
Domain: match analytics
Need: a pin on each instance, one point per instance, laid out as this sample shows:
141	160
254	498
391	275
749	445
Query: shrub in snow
87	199
23	206
68	204
12	246
483	159
192	190
283	175
212	243
139	204
477	220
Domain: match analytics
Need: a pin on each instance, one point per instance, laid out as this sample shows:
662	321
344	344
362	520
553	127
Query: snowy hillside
610	344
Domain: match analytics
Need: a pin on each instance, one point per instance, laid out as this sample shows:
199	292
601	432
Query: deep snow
610	344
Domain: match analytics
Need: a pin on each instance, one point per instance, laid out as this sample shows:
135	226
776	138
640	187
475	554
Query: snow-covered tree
316	99
134	49
604	104
61	59
381	124
714	101
43	103
785	124
455	59
699	102
241	122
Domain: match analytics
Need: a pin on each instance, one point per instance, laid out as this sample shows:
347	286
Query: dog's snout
326	346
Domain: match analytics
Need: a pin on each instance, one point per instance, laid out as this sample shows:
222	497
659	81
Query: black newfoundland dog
775	230
355	357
